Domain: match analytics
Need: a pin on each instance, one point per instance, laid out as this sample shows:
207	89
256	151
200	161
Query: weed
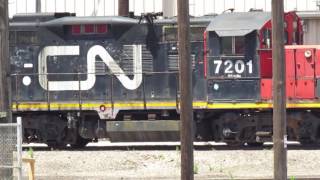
220	169
230	175
195	168
161	157
211	168
292	178
30	152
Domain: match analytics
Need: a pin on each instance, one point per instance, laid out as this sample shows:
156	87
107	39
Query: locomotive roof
88	20
48	19
72	20
238	24
193	20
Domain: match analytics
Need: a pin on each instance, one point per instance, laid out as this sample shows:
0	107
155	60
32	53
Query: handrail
226	56
177	93
79	93
144	93
99	74
47	94
17	92
111	95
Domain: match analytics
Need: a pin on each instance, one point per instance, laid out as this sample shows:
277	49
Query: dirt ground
165	164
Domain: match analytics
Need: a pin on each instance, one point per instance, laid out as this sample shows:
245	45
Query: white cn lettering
87	84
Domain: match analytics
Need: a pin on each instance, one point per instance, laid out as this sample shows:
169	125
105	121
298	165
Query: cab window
233	45
267	38
226	45
239	45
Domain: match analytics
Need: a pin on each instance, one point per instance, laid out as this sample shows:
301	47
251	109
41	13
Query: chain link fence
10	150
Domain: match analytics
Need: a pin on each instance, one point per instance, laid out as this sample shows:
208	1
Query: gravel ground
165	164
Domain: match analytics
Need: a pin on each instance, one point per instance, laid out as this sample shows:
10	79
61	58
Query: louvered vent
101	68
126	61
174	62
147	60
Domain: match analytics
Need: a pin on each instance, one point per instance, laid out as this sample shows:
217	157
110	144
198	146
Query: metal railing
10	144
17	97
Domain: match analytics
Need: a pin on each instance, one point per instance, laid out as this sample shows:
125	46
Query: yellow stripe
91	105
260	105
239	105
130	105
303	105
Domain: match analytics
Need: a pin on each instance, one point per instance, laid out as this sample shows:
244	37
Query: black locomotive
77	79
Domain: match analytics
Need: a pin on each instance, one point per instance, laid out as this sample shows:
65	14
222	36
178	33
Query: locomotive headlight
216	86
307	54
26	80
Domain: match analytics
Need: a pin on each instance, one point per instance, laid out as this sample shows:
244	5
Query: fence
10	144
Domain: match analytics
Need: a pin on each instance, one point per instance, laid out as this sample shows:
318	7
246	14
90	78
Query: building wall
109	7
311	31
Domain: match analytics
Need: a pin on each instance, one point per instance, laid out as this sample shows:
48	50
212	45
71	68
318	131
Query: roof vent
255	10
230	9
63	14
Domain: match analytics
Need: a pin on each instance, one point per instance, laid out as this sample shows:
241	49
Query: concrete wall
311	33
311	27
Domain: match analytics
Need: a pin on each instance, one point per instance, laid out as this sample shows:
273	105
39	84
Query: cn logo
87	84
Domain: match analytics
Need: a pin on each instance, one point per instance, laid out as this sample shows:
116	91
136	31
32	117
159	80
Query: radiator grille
173	64
126	61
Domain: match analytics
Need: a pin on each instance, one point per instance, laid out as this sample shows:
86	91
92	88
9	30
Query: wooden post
31	170
4	80
123	7
279	91
4	60
186	112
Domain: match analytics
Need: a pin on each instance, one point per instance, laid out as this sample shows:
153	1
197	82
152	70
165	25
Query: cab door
305	73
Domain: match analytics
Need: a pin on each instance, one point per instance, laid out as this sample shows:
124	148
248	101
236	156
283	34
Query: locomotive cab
238	55
232	61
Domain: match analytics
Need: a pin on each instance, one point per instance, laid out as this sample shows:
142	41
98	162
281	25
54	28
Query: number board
232	67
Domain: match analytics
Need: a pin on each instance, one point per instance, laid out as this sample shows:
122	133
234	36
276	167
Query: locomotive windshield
232	56
233	45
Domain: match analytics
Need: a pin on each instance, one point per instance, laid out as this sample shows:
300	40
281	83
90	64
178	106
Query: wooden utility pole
4	60
38	6
123	7
4	80
186	112
279	91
